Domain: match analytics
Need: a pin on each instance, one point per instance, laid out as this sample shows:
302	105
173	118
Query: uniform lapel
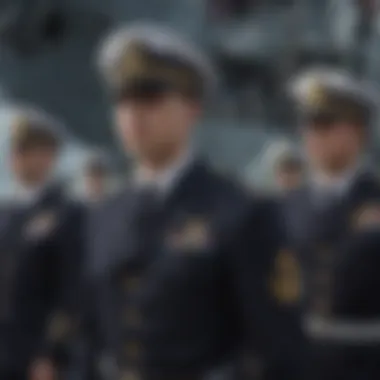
13	223
363	196
321	226
11	248
132	248
301	217
121	247
366	186
187	188
336	222
45	215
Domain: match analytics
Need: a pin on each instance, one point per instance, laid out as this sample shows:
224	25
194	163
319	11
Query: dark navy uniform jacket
40	265
338	250
179	291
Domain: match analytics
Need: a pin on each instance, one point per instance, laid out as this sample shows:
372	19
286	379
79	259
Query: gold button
133	350
132	283
130	375
325	254
322	281
321	305
252	366
133	318
60	327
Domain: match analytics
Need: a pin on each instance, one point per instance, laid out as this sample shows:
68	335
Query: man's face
333	146
32	166
154	127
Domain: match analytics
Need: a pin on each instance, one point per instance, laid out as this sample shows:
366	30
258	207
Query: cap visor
142	89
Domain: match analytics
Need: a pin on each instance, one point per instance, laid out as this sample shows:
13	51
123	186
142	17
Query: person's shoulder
230	190
245	207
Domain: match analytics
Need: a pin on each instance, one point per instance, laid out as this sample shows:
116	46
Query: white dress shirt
164	180
27	196
324	186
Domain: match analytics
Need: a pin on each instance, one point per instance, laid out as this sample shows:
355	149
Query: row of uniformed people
332	225
41	248
184	271
42	245
168	279
179	263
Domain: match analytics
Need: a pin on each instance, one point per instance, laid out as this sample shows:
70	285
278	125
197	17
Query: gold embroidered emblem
41	224
195	234
131	283
367	216
286	278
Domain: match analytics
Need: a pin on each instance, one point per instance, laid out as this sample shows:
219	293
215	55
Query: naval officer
178	262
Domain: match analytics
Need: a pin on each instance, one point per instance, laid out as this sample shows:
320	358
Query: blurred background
47	55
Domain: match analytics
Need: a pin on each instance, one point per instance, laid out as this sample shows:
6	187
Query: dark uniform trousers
178	289
39	290
338	250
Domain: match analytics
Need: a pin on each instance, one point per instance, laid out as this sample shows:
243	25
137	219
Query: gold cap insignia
286	278
137	62
133	63
20	126
316	95
193	235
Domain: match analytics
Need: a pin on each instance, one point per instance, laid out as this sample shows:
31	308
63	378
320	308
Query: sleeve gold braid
285	281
